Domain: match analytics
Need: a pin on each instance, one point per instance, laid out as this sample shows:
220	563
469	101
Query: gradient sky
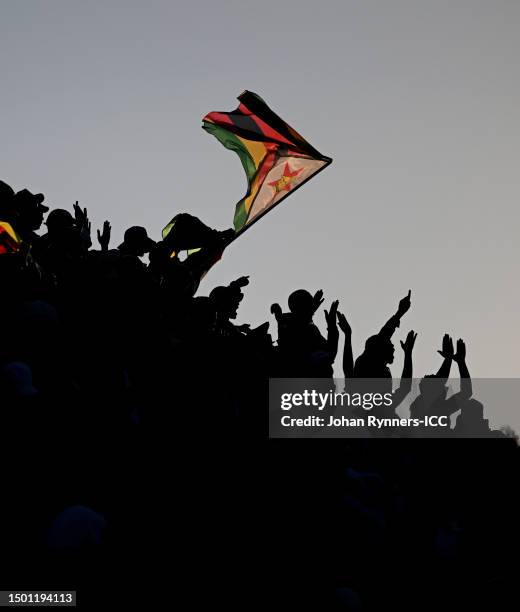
417	102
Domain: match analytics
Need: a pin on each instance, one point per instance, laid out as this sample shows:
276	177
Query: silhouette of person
471	422
204	247
303	350
226	300
433	399
378	355
28	214
379	350
348	359
66	241
186	232
136	242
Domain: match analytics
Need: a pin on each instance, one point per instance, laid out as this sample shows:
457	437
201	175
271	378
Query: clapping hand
447	347
344	324
330	315
460	355
318	299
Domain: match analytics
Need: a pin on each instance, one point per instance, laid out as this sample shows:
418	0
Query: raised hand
330	315
104	236
460	355
243	281
447	347
276	309
404	304
81	216
84	235
409	343
318	299
344	324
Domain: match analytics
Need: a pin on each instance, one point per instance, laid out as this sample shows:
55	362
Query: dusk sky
416	101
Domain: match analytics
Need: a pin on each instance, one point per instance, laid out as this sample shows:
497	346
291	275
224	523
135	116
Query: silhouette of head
379	349
226	301
29	209
6	191
301	304
473	410
6	201
59	221
471	418
186	232
136	241
432	388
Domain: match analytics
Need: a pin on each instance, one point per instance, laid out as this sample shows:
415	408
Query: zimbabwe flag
9	240
276	159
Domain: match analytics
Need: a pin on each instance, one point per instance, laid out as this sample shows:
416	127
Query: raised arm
276	310
406	377
84	226
332	330
466	388
446	352
317	300
348	359
457	400
392	324
104	236
240	282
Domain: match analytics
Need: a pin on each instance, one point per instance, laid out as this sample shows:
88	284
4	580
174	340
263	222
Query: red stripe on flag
266	129
218	118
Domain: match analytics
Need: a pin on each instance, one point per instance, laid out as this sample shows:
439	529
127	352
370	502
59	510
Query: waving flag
276	159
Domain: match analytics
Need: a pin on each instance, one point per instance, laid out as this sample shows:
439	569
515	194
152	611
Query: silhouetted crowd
134	418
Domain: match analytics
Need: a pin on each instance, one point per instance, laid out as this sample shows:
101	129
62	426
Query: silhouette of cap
25	198
138	236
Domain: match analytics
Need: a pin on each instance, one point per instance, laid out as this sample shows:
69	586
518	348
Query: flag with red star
277	160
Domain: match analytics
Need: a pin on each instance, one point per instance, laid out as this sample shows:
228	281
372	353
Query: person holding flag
277	160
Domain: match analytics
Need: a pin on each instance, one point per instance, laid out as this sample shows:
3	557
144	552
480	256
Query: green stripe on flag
232	142
240	217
